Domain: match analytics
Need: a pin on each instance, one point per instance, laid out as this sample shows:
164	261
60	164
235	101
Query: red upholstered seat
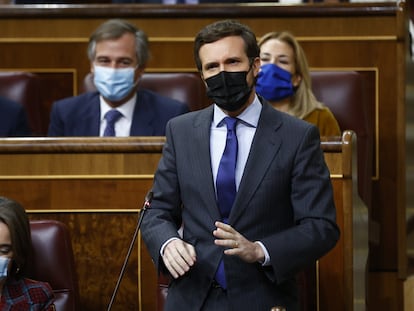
53	262
23	87
344	93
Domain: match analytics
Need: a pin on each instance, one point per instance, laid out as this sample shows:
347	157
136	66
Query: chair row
342	91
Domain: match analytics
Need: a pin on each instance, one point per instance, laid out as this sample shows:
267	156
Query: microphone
147	204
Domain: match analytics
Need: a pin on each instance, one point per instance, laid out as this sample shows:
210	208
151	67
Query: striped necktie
226	184
111	117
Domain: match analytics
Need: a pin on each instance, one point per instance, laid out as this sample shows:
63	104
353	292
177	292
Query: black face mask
229	90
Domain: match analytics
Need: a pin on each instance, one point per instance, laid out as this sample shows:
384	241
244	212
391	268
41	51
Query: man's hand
237	244
179	257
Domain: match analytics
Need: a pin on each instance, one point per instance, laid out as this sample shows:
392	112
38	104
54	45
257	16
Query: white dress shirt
123	125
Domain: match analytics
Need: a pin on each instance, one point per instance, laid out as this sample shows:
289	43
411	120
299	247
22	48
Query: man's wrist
262	254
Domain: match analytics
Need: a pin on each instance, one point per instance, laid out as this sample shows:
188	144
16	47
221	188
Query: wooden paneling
362	37
95	186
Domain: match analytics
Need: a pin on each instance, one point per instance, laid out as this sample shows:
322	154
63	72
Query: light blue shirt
245	130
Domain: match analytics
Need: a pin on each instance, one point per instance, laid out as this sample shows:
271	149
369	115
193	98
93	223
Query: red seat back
53	262
23	87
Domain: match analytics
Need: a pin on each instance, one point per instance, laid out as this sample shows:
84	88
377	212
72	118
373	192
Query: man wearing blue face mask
118	53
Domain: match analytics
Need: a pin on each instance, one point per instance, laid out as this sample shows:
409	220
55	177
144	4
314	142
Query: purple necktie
226	183
111	117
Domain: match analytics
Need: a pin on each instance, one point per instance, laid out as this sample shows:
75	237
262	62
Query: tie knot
231	123
112	115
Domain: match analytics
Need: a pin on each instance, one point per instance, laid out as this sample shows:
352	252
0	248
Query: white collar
250	116
127	108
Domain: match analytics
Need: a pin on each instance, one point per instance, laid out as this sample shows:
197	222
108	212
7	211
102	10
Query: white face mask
114	83
4	267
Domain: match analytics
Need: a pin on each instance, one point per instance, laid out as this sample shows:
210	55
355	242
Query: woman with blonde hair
284	81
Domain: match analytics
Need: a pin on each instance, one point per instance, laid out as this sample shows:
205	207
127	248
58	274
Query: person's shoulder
325	120
159	99
7	104
31	287
76	105
196	115
325	112
289	120
39	292
78	99
34	285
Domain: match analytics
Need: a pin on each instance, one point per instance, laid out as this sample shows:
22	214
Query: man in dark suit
238	212
118	53
13	119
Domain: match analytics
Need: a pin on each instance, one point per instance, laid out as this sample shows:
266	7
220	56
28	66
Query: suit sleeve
314	232
56	123
163	219
22	124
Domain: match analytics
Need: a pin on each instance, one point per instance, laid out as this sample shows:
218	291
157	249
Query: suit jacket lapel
201	143
266	144
91	123
142	118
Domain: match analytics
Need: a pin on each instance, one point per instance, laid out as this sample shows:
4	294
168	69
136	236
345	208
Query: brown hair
116	28
222	29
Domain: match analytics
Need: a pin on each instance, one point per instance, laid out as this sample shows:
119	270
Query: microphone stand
147	204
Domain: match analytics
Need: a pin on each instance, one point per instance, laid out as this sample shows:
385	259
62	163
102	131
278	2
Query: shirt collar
127	109
250	116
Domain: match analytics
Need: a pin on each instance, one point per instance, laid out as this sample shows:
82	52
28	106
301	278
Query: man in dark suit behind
118	53
247	228
13	119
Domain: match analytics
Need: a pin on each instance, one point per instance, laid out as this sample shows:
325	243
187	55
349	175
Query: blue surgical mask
274	83
114	83
4	267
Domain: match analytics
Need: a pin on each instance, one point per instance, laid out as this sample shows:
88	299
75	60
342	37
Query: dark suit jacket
80	115
284	200
13	119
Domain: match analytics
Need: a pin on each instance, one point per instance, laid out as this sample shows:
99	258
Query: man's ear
256	66
139	72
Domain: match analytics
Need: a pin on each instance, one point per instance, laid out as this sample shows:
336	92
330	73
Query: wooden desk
97	186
